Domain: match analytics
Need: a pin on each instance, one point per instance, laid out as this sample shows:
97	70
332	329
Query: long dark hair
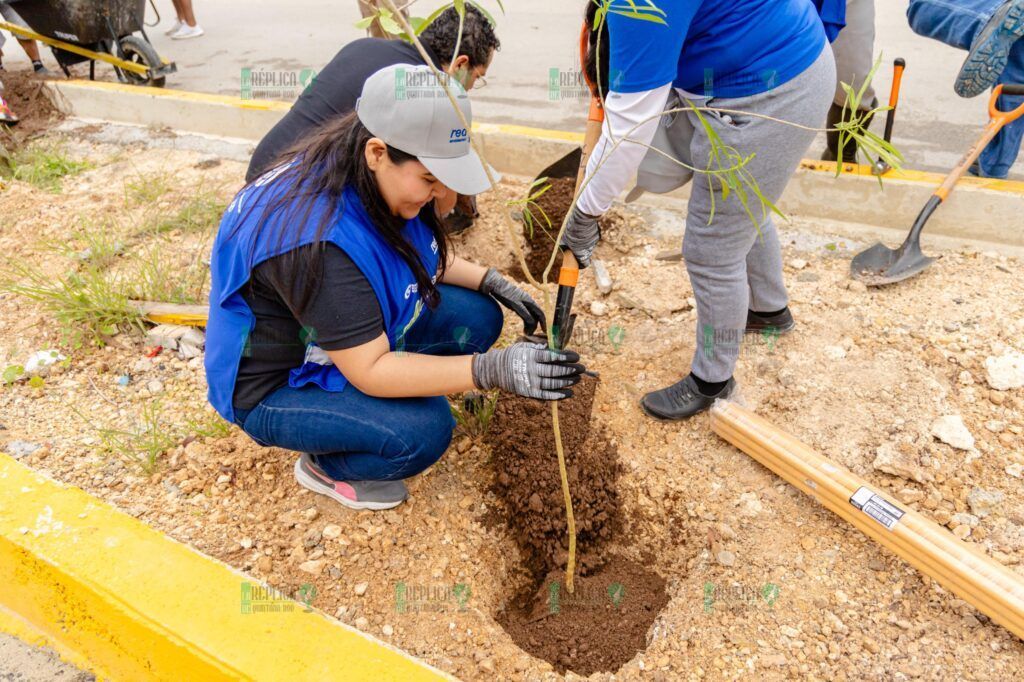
592	57
322	166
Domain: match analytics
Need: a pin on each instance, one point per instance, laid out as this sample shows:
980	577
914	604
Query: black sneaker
681	400
758	323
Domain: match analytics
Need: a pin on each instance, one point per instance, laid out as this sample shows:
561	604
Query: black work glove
531	370
515	299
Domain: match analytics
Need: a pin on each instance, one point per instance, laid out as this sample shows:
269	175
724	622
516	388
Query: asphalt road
934	125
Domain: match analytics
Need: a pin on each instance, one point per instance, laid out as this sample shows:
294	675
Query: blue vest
237	250
833	16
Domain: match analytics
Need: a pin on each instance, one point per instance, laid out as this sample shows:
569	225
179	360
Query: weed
154	277
146	190
89	305
537	189
209	426
142	443
94	244
43	166
200	214
473	415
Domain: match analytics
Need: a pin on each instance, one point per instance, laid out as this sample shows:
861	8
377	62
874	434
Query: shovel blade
566	167
880	265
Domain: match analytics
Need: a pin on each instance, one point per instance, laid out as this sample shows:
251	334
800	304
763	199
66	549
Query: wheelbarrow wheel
138	51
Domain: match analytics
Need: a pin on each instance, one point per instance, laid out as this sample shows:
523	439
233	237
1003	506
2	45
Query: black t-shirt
333	92
342	312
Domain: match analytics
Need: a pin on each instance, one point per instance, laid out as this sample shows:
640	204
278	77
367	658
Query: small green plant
154	277
529	204
143	442
88	304
145	190
12	373
854	127
473	414
96	244
43	166
201	214
208	426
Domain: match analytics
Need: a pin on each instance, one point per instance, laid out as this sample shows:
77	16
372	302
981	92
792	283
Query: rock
798	263
246	543
20	448
311	514
789	631
604	280
807	543
834	352
1005	372
1016	470
984	502
995	426
265	564
858	286
331	531
951	430
750	504
535	503
387	630
599	308
360	589
361	622
39	361
154	386
962	532
963	519
726	558
315	566
909	495
898	461
487	665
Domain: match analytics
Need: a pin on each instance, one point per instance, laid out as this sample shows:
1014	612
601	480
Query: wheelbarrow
110	31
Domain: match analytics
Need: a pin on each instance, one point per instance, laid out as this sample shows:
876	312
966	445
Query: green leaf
365	22
460	7
13	373
36	382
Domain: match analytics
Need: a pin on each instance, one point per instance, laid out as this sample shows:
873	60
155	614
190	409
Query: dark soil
528	482
28	100
555	204
597	628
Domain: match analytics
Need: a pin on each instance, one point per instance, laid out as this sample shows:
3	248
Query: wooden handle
960	567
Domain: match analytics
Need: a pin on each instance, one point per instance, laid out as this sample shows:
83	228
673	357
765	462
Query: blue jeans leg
356	437
956	23
353	436
464	323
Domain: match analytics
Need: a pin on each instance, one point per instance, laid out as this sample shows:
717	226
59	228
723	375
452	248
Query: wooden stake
960	567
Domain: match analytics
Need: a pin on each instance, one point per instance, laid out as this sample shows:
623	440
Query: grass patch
43	166
146	190
199	215
473	414
89	304
154	277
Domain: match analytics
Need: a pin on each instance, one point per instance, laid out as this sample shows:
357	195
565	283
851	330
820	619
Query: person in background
185	25
339	317
30	46
756	59
854	49
990	31
334	90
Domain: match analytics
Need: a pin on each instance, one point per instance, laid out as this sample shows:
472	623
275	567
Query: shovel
879	264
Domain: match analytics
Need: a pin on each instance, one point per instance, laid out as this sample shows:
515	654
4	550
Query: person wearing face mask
339	318
334	89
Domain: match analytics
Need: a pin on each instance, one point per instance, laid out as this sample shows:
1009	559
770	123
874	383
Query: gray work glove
581	236
528	369
515	299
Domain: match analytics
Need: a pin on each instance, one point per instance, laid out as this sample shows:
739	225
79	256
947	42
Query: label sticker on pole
877	508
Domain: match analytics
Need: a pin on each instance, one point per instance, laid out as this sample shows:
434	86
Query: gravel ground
762	582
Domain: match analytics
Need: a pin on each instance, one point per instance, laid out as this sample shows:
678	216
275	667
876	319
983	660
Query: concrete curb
980	209
119	598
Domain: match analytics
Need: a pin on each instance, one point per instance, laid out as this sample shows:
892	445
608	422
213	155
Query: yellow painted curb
133	604
907	175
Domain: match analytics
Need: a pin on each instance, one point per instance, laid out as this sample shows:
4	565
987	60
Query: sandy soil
762	582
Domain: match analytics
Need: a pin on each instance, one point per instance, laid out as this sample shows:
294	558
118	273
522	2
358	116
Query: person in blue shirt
991	32
757	59
339	319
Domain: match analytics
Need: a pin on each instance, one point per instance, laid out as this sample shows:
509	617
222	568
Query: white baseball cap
406	106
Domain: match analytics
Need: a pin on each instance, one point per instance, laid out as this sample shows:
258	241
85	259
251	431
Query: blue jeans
956	23
356	437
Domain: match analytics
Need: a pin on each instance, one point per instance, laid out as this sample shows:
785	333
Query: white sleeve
622	111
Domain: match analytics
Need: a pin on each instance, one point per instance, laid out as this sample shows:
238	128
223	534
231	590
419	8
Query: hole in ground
605	621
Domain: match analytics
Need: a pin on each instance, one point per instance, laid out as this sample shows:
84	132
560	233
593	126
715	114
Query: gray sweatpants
734	264
854	49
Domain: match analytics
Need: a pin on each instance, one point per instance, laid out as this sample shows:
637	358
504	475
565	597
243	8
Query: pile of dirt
26	95
528	483
604	622
597	628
